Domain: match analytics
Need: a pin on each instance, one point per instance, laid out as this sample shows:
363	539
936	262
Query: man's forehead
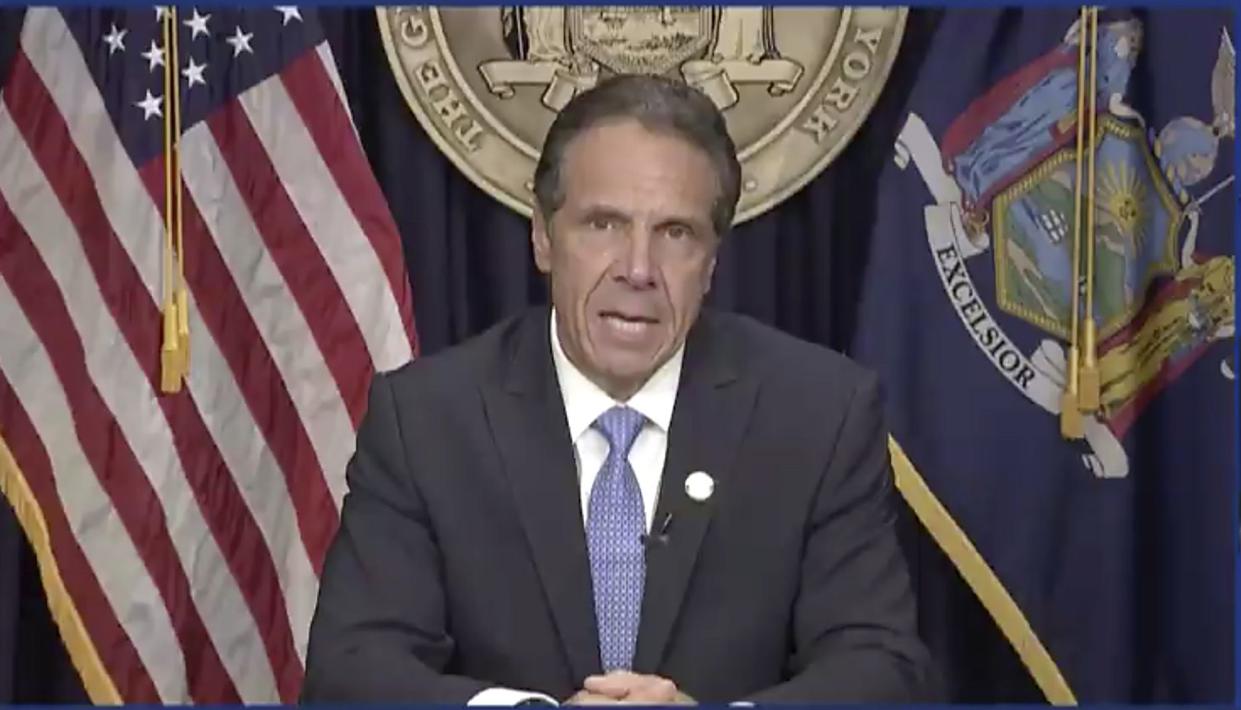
622	131
617	159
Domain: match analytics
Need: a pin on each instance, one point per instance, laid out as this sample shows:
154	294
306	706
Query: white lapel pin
699	486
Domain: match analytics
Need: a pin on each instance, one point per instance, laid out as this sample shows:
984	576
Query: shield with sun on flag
1136	219
1145	334
1004	176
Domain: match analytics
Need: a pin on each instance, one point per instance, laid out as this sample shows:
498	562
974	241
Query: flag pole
182	295
1088	383
1071	424
170	353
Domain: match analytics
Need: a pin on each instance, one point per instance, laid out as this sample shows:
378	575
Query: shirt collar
584	400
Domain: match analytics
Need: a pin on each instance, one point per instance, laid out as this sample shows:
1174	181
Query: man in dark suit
620	499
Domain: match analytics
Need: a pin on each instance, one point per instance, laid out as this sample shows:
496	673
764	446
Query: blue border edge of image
1236	190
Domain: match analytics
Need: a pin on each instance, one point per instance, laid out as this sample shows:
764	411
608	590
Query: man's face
630	252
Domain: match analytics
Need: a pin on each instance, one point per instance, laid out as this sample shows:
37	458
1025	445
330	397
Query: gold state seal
794	83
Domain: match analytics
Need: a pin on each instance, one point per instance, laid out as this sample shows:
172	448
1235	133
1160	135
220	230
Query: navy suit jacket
461	558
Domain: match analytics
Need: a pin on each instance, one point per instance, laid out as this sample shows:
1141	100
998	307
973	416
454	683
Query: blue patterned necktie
616	522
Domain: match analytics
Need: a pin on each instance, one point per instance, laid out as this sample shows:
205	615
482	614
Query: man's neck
655	395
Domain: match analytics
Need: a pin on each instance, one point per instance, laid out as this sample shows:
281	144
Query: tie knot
620	426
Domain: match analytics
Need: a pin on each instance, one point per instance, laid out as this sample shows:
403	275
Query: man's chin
628	375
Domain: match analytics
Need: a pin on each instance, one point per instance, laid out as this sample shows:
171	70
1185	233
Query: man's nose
637	265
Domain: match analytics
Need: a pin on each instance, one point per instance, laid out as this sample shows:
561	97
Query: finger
665	690
620	675
616	684
652	689
583	697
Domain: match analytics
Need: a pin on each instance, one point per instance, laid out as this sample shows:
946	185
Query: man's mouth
627	323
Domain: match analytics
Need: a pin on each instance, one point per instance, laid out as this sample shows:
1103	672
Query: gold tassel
1071	424
1088	394
183	328
171	361
170	354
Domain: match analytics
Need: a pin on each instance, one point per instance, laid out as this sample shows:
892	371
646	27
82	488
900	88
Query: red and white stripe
194	525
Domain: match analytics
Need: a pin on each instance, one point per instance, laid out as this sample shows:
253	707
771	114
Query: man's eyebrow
604	210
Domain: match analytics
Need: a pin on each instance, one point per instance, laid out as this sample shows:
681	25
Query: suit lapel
528	423
713	407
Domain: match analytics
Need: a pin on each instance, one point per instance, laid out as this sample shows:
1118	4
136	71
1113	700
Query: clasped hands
624	687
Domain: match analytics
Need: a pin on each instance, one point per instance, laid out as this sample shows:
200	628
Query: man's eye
602	223
678	231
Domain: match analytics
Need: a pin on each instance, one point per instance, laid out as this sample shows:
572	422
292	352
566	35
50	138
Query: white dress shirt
584	401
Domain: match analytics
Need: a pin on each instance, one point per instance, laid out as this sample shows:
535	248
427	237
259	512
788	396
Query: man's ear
709	276
541	242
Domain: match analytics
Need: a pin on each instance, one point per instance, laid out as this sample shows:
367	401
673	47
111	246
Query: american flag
180	536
